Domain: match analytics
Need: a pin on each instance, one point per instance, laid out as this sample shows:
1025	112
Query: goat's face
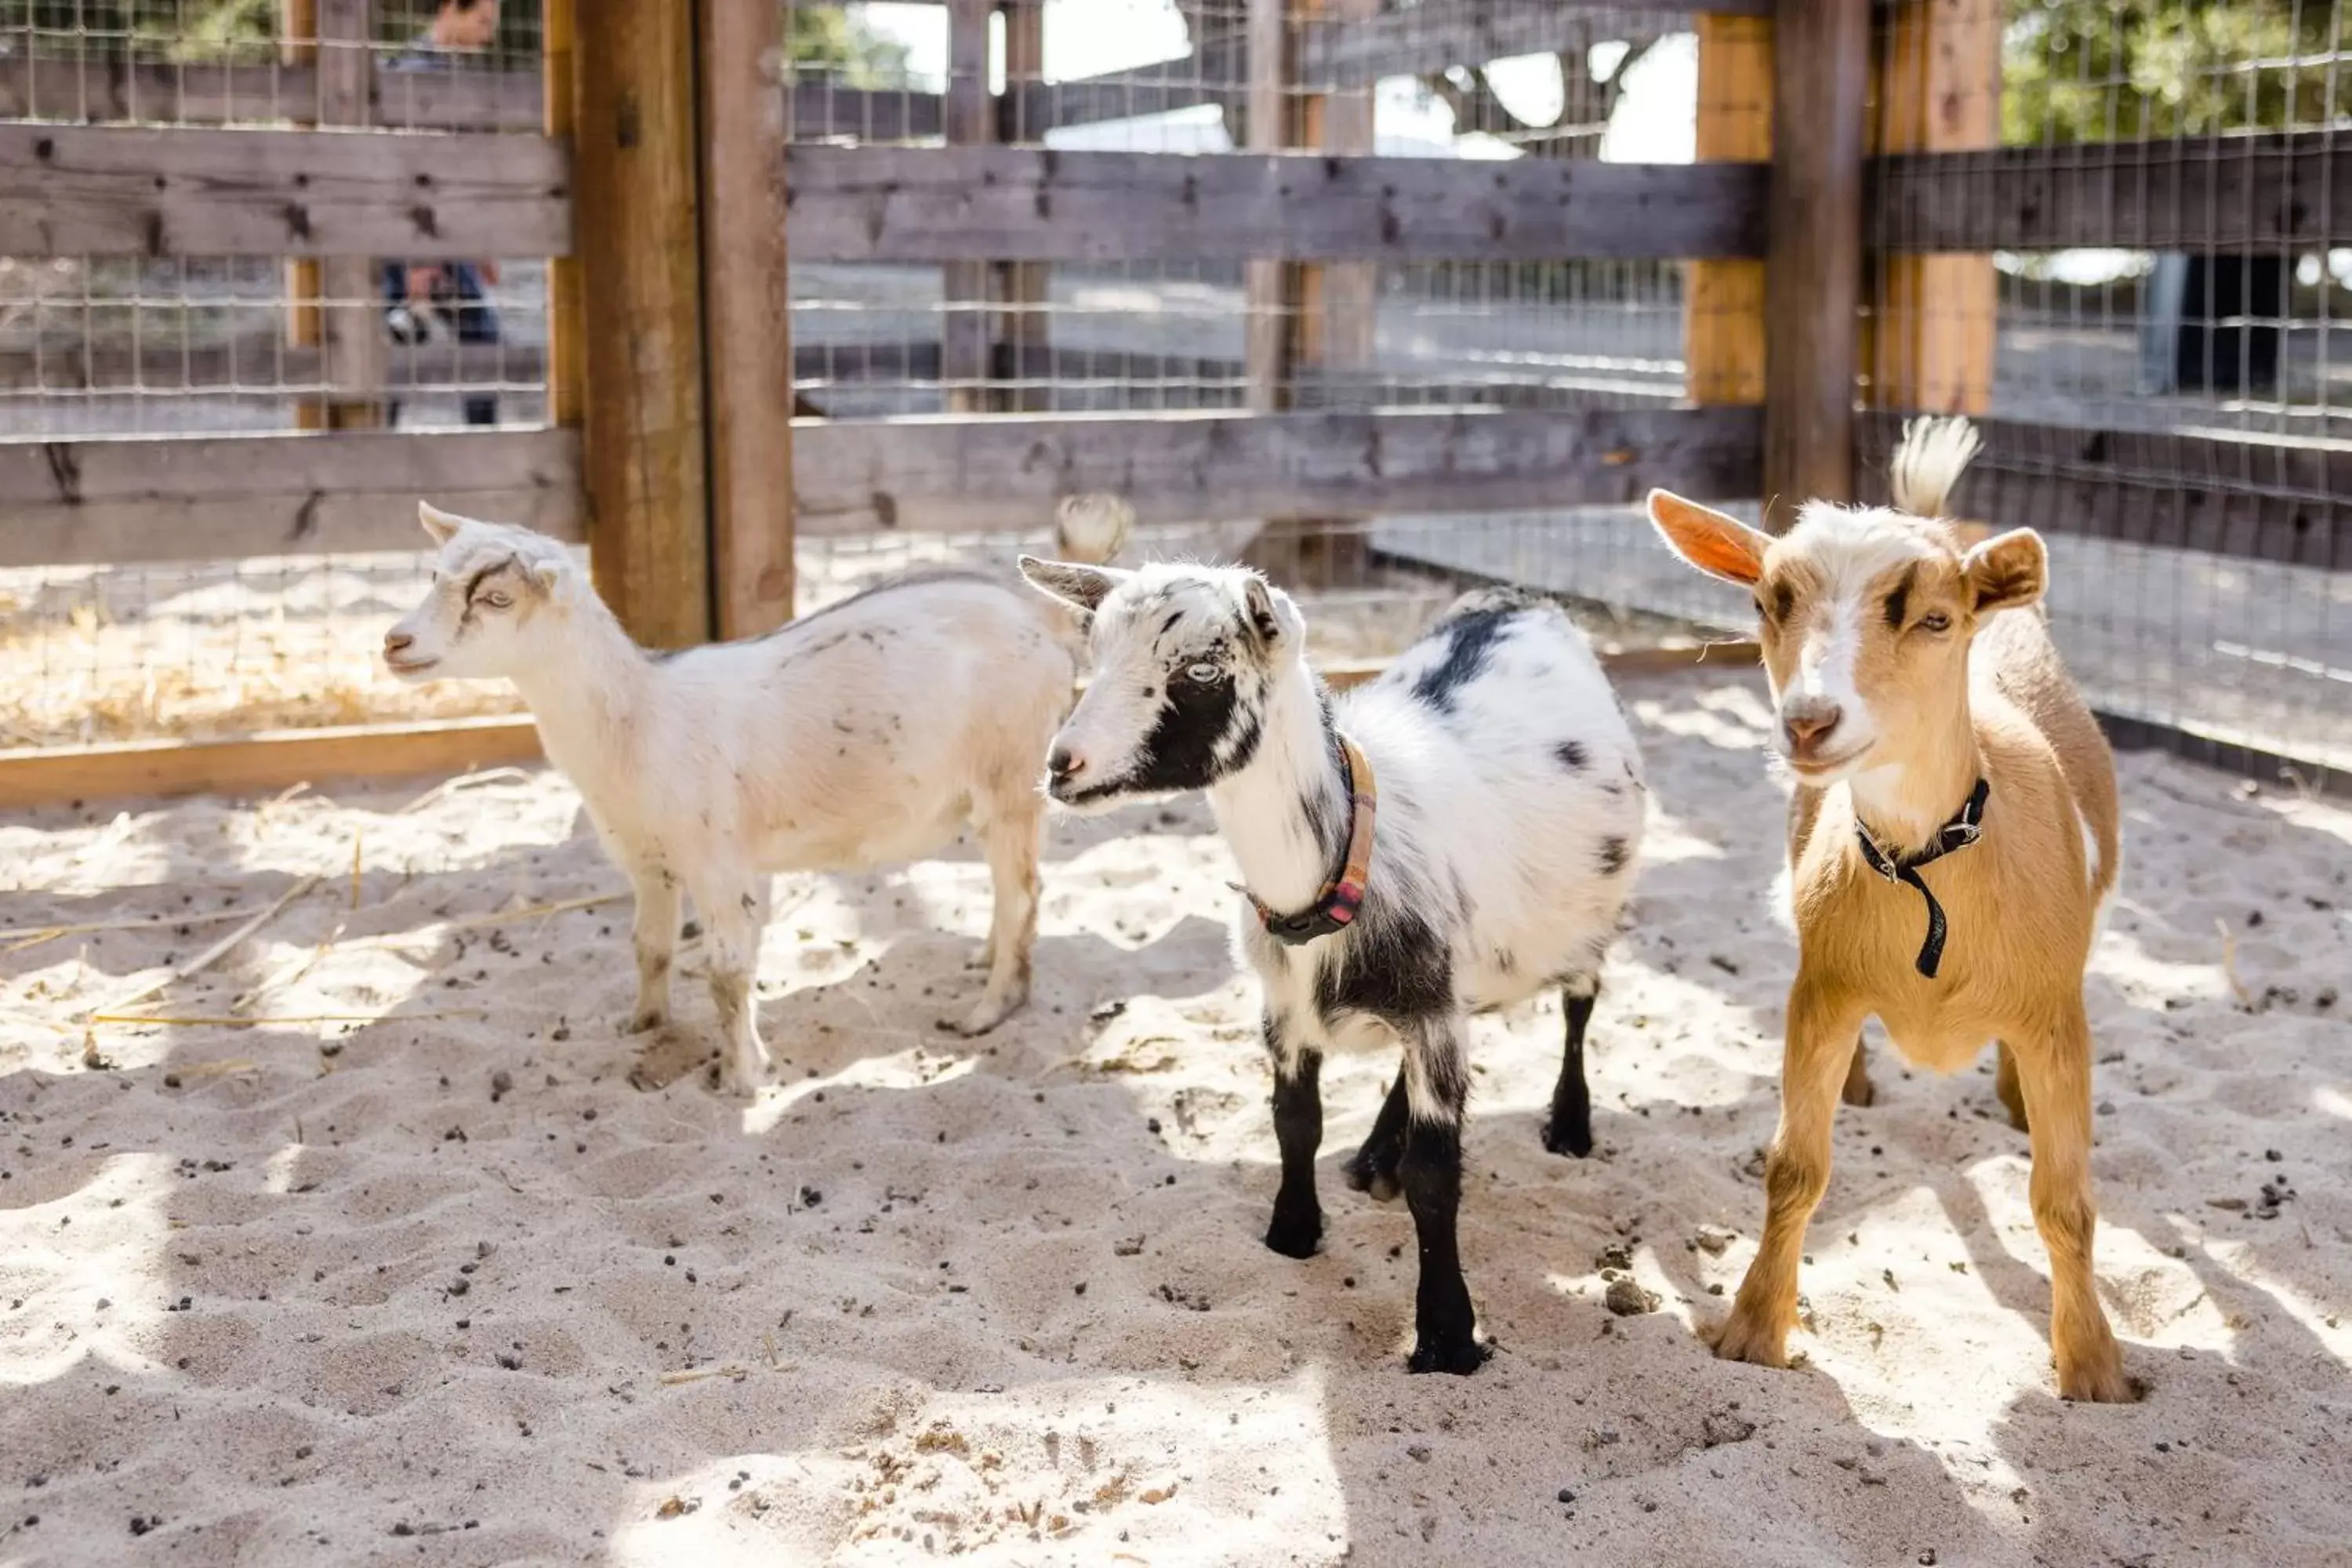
1865	616
495	589
1184	659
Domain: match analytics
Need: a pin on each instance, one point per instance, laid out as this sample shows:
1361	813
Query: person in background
417	294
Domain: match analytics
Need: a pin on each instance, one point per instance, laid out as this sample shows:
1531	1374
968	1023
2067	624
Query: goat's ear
1258	605
551	579
2007	570
1718	546
441	525
1075	583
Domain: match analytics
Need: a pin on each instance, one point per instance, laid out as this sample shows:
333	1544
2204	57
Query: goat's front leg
2055	1075
1818	1055
1570	1130
1437	1089
1008	838
1297	1224
734	913
656	937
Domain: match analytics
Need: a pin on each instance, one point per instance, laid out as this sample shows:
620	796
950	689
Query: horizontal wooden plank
221	497
943	473
2220	493
48	84
904	203
264	763
2225	191
260	363
1436	34
71	189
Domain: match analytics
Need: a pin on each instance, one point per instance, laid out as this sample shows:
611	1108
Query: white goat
1452	838
870	732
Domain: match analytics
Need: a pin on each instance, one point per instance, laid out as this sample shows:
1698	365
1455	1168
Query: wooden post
1930	334
559	100
748	312
1812	281
1268	286
352	319
969	118
634	201
1723	300
1024	286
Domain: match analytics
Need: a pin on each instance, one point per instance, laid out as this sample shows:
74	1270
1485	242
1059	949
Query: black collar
1965	828
1335	905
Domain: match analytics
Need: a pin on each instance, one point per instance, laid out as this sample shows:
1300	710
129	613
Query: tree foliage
2100	70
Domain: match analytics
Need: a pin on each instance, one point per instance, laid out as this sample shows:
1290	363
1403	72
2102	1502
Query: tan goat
1924	725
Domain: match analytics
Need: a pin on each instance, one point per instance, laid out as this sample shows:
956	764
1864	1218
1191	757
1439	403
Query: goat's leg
1297	1224
1373	1168
1569	1130
733	916
2005	1085
2056	1075
1859	1090
1437	1081
1818	1054
655	938
1008	838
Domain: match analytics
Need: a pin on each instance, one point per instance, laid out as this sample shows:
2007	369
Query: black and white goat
870	732
1504	803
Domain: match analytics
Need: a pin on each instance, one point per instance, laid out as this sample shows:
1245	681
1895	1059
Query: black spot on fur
1614	853
1471	638
1571	754
1182	751
1394	966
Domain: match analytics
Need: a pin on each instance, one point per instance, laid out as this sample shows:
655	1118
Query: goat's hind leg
1373	1168
1859	1090
1570	1129
734	914
1008	832
1437	1081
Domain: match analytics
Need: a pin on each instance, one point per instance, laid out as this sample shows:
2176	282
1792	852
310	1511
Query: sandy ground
444	1288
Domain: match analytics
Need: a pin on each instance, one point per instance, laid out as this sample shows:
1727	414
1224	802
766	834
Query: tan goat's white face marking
490	582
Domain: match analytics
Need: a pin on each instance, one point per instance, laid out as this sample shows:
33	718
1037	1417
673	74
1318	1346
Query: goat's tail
1928	462
1092	529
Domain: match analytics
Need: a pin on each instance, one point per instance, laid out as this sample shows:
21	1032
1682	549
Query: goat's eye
497	600
1935	621
1204	674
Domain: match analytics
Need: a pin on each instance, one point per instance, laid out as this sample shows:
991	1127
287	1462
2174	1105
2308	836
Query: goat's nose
396	642
1808	721
1064	764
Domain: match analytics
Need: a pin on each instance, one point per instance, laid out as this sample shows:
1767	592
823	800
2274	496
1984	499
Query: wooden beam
1357	51
965	282
1812	282
352	319
218	498
908	204
71	189
748	319
57	85
2251	497
648	492
1929	338
566	312
2273	191
1723	300
262	763
929	474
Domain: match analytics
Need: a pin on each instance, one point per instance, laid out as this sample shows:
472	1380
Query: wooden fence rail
904	204
72	190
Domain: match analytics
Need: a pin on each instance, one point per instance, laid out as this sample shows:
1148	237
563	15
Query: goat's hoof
1859	1090
2017	1119
985	959
979	1021
1574	1138
644	1020
1460	1357
1374	1172
1295	1237
2098	1381
1743	1338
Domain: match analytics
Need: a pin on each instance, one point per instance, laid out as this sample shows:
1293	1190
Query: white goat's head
1184	660
1865	614
497	591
